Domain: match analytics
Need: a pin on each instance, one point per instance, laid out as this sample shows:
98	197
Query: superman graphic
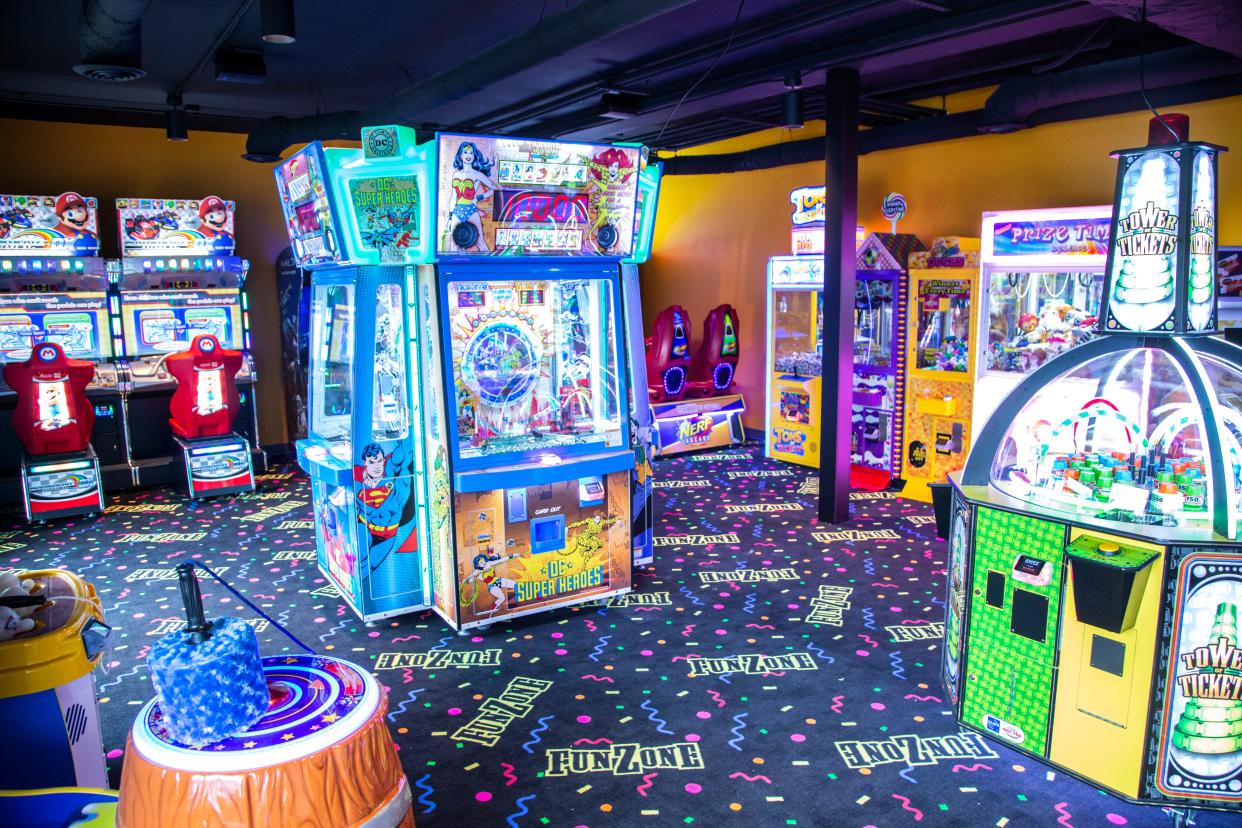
385	506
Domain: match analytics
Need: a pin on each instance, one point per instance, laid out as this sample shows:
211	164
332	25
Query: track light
791	102
174	120
276	19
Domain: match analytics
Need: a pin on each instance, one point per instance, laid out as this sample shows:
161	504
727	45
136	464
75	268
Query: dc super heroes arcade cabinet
178	278
522	452
1095	571
53	288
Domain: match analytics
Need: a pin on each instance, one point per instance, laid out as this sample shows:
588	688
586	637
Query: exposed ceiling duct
1013	103
573	28
1214	23
111	40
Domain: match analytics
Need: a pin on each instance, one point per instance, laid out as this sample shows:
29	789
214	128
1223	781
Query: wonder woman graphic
472	185
608	182
485	572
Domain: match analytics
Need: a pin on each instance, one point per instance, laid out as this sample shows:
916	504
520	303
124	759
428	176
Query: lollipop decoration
894	208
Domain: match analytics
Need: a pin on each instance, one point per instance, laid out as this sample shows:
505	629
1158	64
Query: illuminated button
1108	548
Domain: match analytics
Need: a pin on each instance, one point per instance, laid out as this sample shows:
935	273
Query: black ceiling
350	57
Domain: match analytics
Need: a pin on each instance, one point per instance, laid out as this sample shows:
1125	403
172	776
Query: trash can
47	690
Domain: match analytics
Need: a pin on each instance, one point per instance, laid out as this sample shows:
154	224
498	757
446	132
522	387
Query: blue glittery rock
209	690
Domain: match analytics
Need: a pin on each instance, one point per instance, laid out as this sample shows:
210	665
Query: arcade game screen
1032	317
332	360
1118	438
797	332
943	333
534	364
158	321
75	321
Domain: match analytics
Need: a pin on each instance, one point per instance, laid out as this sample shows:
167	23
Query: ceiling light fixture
277	21
791	102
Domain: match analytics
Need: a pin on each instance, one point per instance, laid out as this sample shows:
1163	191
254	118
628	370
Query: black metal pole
840	219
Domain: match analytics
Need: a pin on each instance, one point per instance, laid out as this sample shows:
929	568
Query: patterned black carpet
815	700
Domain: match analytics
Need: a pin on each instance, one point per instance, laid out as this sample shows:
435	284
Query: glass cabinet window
390	417
535	365
873	322
943	335
1032	317
1117	438
332	358
797	332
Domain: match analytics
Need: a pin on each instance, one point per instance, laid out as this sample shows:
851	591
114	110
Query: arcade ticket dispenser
53	419
940	363
1095	568
214	459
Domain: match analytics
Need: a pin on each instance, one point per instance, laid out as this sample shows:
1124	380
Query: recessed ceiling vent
111	40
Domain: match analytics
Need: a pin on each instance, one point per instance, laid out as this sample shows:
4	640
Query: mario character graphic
472	185
215	218
486	572
53	406
608	182
74	222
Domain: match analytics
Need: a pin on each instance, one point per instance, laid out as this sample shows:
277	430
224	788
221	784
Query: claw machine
357	220
940	360
1042	277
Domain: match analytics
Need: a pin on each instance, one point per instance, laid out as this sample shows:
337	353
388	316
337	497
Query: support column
841	217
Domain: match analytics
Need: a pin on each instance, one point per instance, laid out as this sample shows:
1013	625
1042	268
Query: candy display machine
879	358
795	335
469	426
1042	278
1095	570
940	362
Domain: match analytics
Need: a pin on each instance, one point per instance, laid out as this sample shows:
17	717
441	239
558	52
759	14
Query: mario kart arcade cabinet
1095	571
357	220
177	278
527	300
1043	273
214	460
53	289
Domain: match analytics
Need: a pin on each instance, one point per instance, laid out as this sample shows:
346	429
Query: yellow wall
106	162
714	233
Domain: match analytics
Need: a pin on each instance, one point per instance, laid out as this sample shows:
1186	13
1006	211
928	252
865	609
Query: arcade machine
214	459
691	403
358	220
1043	271
879	358
177	278
940	372
527	300
642	499
53	289
795	327
53	420
1095	562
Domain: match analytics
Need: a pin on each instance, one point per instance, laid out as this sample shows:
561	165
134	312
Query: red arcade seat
215	460
714	364
206	400
53	418
668	355
52	415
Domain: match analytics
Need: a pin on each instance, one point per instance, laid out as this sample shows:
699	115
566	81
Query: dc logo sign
46	353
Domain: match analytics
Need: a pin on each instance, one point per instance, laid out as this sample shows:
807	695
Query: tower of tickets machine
470	435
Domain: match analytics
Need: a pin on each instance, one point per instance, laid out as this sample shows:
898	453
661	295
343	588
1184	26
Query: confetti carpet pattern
767	671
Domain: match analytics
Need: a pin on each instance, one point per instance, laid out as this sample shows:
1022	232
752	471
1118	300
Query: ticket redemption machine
1042	277
176	279
54	289
940	363
357	220
642	499
1095	563
879	358
795	327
